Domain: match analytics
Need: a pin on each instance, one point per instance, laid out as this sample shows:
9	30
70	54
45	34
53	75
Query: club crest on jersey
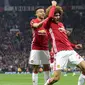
61	29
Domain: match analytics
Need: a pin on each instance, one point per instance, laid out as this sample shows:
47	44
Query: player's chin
42	17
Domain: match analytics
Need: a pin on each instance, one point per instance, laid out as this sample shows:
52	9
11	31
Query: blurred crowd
15	44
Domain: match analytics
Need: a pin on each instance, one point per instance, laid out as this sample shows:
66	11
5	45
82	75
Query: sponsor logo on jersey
42	32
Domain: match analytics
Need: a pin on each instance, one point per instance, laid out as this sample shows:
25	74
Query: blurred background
15	32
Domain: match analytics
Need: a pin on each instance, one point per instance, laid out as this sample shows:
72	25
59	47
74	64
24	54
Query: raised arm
52	10
36	25
49	14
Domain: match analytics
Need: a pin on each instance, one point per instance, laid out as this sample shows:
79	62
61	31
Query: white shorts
82	76
81	79
39	57
63	58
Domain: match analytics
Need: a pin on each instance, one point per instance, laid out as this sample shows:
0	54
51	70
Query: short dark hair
38	8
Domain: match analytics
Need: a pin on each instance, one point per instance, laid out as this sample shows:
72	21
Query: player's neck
56	22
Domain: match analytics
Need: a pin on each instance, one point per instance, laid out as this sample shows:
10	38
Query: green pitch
25	79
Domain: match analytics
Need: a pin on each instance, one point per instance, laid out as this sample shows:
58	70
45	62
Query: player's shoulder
61	24
34	20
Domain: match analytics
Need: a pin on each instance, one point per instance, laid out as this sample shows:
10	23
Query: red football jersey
59	37
40	37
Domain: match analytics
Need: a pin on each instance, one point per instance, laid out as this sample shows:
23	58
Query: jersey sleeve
32	22
73	45
52	11
50	16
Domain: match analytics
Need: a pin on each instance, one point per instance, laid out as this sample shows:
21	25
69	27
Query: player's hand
54	3
68	32
78	46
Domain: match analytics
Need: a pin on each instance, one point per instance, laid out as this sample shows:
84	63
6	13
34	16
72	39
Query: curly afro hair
58	10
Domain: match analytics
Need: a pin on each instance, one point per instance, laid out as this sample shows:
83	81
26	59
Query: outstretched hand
54	3
78	46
